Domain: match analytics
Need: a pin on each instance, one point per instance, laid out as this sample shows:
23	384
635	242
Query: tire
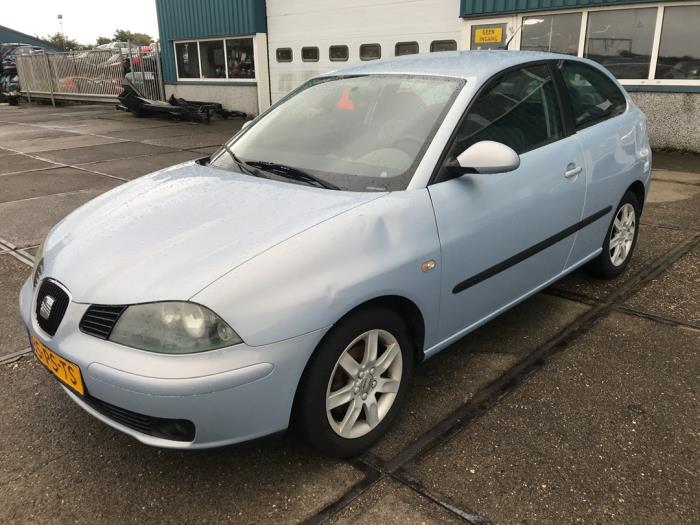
368	400
612	262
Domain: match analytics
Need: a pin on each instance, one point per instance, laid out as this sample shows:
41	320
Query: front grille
174	429
51	305
99	320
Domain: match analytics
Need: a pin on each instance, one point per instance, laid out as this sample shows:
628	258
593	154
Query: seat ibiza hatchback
365	222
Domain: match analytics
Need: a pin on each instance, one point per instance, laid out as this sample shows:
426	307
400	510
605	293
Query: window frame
650	81
347	53
370	44
201	78
565	114
318	54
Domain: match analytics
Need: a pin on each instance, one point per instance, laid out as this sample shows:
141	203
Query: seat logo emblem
46	306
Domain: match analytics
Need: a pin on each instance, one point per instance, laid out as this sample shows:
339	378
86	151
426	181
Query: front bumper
231	394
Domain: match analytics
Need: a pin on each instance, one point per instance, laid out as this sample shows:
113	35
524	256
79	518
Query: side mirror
484	157
246	124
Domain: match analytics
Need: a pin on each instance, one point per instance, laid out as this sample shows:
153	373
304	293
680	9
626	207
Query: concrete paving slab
4	152
50	182
60	143
673	205
652	243
676	293
12	274
452	377
677	161
198	139
11	134
118	150
26	222
136	167
61	465
392	503
606	432
677	176
205	151
19	163
154	130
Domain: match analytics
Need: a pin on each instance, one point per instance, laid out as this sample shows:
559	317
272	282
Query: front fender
310	281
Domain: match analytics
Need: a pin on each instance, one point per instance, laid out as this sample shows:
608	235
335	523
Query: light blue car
368	220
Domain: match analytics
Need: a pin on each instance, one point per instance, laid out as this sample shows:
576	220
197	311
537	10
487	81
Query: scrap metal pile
132	100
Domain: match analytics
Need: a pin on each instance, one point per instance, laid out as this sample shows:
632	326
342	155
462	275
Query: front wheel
621	238
356	382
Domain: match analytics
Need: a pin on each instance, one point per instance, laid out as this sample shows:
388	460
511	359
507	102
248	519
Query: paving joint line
671	321
488	396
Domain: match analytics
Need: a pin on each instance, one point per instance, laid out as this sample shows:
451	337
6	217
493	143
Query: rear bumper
230	395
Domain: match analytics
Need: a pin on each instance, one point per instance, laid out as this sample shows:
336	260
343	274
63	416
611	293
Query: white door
492	33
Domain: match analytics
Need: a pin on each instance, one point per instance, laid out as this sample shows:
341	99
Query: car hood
171	233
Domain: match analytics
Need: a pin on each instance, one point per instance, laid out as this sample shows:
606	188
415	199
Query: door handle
572	170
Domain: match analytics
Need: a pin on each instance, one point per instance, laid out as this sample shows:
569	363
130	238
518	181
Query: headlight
173	328
38	265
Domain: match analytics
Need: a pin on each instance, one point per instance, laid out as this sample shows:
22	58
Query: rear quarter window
594	97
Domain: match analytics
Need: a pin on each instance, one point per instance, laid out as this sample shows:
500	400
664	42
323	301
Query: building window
622	40
212	56
338	53
239	56
309	54
679	49
406	48
187	59
284	54
443	45
370	51
230	58
553	33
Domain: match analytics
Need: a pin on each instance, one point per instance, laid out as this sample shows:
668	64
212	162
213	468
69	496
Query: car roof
458	64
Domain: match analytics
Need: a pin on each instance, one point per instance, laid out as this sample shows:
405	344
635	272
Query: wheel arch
639	191
407	310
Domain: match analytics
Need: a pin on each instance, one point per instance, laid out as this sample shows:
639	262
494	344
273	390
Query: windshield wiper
243	166
291	172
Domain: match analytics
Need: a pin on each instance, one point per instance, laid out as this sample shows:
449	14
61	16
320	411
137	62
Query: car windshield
356	133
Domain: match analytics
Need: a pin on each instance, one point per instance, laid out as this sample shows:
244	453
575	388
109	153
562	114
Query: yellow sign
488	35
67	372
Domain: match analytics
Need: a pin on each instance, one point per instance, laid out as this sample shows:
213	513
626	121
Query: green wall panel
476	8
190	19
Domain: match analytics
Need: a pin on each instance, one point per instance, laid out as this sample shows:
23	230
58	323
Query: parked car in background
359	226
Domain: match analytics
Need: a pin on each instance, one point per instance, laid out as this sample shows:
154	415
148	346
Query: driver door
500	233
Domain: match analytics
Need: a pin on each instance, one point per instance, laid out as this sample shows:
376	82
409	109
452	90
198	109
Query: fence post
48	65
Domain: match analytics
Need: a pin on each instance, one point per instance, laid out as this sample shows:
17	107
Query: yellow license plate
68	373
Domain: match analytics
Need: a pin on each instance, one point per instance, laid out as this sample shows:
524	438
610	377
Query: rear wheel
620	240
356	382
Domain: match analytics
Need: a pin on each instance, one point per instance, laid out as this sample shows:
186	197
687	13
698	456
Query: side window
593	95
370	51
309	54
443	45
284	54
405	48
338	53
520	110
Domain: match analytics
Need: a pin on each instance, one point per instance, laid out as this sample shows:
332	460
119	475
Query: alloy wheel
622	234
364	383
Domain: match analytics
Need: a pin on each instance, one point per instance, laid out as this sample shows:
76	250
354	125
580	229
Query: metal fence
94	75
